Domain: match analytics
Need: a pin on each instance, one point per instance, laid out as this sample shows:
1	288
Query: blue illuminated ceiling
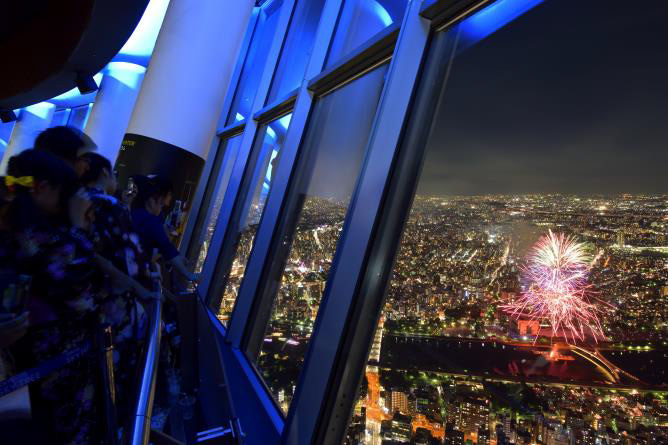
137	50
73	98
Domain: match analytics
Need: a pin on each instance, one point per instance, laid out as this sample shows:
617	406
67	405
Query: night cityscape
449	365
479	342
334	222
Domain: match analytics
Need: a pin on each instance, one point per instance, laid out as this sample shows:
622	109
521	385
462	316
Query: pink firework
557	288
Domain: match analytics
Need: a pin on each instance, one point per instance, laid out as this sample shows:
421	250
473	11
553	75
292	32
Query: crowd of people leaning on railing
76	254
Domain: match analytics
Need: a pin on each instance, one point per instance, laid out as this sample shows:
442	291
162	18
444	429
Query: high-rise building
484	436
401	427
474	415
374	355
399	401
454	437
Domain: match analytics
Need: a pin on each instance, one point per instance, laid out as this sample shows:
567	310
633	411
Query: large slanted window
60	117
360	20
267	153
527	298
297	49
333	151
252	70
5	133
213	200
78	116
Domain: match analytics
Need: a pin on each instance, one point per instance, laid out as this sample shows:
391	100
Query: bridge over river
564	364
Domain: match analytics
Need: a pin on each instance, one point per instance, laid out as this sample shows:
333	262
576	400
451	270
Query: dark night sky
572	97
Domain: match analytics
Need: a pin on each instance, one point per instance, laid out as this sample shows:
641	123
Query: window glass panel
297	49
251	73
269	146
333	161
527	303
79	116
60	117
5	133
214	201
360	20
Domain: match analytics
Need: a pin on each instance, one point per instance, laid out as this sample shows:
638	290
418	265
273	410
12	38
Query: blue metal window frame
250	127
207	183
320	414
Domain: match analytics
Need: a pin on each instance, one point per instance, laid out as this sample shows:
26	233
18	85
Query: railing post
140	427
106	356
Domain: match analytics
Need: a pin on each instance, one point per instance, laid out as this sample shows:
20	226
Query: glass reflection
60	117
216	200
251	73
334	149
360	20
269	146
78	116
297	49
5	133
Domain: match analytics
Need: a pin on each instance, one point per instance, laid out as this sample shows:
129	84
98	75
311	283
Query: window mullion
251	313
205	183
244	151
323	382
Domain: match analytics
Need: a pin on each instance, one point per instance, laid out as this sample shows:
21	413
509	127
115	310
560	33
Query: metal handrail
140	428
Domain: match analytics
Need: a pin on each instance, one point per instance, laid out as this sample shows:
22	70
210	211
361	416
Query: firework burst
557	289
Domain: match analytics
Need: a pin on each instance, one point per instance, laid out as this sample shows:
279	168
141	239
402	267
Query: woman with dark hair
47	219
121	257
153	195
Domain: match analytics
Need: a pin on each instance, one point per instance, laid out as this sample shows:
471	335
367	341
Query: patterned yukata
115	241
63	302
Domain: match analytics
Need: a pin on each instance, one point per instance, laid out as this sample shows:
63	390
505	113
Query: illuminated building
483	436
473	415
399	401
620	239
454	437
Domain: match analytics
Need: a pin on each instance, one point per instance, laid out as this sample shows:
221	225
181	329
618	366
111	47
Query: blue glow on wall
491	19
382	13
239	117
267	176
40	110
129	74
6	129
271	133
85	121
60	117
142	40
285	121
